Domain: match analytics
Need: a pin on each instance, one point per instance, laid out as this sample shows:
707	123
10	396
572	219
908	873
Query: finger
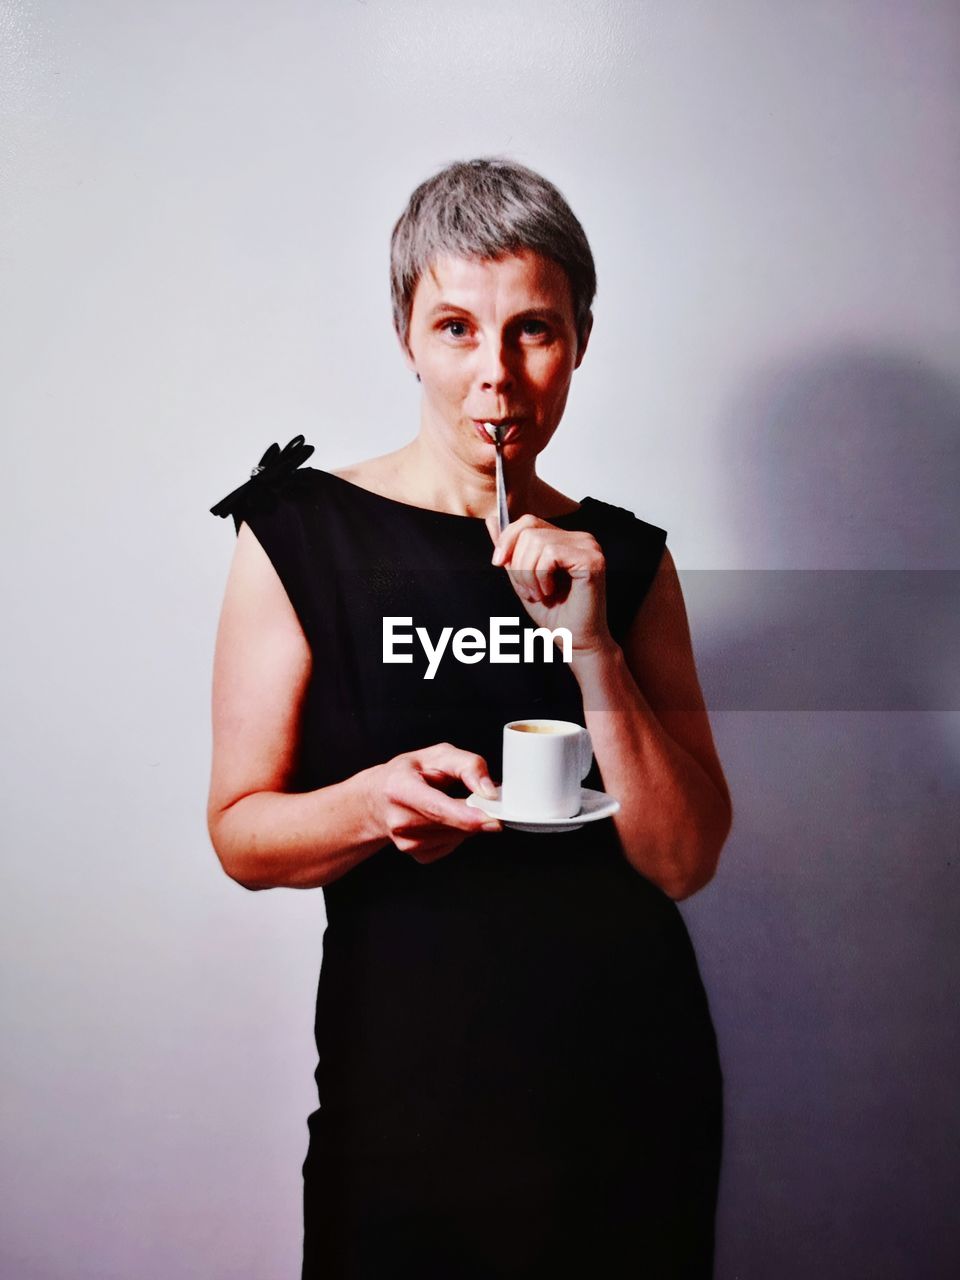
429	850
434	851
545	572
445	760
413	838
521	562
524	583
584	557
433	855
543	564
505	544
436	808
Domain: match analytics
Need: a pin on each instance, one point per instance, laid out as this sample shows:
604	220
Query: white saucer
594	805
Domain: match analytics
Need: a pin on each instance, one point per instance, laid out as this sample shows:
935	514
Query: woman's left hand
560	576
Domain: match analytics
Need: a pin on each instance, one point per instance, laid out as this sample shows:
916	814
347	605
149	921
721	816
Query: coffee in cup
544	764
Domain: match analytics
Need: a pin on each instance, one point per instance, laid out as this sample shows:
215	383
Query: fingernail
490	826
487	788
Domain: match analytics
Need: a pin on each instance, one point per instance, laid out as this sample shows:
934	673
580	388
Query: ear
584	339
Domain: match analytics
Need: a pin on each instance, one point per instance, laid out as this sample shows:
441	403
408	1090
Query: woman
517	1069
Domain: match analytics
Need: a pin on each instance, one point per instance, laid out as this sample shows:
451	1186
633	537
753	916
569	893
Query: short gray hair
486	209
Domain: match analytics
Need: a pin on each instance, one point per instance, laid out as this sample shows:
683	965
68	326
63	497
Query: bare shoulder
259	627
379	475
254	586
262	665
659	647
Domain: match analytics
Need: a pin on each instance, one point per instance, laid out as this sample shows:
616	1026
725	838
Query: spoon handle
503	517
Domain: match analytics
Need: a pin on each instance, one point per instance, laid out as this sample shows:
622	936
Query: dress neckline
442	515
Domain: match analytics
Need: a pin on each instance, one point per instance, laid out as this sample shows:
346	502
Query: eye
455	327
534	329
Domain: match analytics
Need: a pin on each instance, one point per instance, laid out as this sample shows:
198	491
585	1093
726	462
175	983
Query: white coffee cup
544	763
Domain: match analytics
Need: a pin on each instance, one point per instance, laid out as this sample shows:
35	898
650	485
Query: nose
495	373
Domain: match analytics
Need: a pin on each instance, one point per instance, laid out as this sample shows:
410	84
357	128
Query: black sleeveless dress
517	1070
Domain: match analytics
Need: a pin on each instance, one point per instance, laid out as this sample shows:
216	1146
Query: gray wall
198	201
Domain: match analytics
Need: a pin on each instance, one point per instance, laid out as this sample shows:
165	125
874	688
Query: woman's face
494	340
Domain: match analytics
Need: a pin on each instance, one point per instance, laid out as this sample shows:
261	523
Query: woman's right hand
266	835
410	809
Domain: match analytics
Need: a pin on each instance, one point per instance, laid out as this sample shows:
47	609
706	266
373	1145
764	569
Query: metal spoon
495	432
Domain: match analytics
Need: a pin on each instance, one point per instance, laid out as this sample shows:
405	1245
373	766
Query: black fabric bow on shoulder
273	475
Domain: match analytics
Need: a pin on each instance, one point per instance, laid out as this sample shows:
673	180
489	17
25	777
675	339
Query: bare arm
265	836
654	747
642	703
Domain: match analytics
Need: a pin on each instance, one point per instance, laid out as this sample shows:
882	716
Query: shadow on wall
843	477
830	940
849	459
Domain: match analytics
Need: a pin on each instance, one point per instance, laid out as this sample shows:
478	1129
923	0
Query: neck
436	477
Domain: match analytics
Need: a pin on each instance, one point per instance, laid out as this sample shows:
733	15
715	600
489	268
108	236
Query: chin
531	441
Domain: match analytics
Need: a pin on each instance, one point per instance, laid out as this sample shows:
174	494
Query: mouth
510	428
